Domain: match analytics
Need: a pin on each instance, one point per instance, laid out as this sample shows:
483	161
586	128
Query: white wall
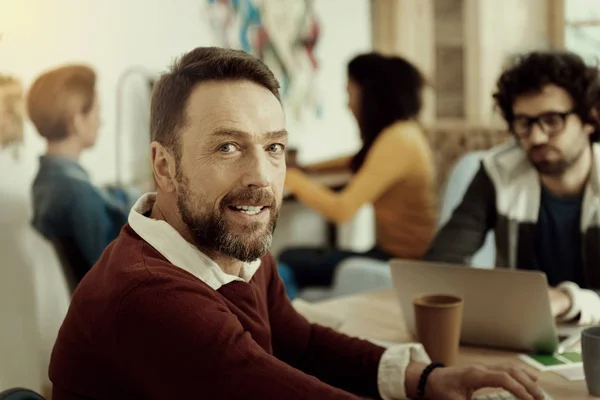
583	40
582	10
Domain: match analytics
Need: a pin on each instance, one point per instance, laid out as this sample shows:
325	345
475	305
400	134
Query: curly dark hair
532	71
390	91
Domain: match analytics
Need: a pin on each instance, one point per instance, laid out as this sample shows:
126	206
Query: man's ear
594	116
164	167
588	129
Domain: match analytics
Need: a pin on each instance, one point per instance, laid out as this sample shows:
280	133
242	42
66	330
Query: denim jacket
68	207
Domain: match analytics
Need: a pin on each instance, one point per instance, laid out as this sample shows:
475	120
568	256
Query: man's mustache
250	196
541	147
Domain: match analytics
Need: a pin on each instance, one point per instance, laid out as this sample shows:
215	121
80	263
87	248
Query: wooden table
377	315
335	181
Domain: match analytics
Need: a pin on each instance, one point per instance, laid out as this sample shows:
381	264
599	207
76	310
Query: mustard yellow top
397	178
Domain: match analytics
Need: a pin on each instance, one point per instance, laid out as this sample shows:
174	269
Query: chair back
72	261
20	394
459	179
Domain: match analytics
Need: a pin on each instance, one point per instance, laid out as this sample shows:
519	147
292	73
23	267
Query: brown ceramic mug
438	319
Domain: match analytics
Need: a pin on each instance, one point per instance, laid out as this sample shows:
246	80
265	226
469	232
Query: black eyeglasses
551	123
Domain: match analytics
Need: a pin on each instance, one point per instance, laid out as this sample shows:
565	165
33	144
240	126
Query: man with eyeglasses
540	192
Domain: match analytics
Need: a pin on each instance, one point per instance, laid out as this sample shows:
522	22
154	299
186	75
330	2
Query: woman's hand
459	383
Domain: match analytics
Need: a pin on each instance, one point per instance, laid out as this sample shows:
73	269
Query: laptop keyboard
501	396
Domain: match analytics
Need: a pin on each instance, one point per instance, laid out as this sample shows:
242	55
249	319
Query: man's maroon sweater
141	328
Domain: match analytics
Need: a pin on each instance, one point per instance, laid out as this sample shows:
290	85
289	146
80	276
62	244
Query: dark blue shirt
69	208
558	247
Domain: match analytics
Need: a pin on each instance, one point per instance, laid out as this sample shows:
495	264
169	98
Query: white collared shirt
178	251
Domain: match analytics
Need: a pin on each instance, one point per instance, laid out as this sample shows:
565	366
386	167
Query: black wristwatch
423	380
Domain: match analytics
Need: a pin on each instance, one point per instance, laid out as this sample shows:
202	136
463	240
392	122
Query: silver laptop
503	308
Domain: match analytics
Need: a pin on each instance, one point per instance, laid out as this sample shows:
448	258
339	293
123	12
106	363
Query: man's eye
551	120
276	148
227	148
521	123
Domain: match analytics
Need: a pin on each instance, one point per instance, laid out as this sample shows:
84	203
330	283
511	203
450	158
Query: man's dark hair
172	91
532	71
390	91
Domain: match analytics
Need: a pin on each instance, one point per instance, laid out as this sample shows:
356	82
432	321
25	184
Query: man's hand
560	302
459	383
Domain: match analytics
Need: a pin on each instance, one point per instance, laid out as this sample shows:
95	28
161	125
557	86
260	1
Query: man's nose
257	171
537	136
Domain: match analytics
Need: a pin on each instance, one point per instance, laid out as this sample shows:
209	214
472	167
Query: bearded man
187	304
540	192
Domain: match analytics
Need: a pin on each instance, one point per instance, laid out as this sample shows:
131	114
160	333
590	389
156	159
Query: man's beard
211	230
551	168
558	167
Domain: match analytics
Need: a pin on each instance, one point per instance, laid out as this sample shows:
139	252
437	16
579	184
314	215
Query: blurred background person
394	171
539	192
69	209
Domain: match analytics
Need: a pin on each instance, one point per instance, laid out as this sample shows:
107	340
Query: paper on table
556	362
572	373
